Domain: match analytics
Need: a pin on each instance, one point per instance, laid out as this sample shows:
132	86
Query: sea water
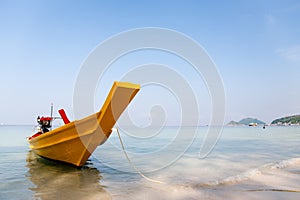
245	163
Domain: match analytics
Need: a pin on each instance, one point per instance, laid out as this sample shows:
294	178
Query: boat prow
74	142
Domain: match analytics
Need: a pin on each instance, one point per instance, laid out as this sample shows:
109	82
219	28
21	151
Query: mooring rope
133	166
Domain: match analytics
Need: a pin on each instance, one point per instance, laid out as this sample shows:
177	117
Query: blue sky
255	45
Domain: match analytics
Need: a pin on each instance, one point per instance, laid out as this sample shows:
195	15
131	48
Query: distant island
283	121
233	123
287	121
247	121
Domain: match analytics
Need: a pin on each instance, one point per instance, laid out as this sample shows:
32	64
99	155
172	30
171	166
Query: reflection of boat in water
52	181
76	141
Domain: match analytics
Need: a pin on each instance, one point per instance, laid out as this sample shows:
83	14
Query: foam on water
268	181
286	163
250	174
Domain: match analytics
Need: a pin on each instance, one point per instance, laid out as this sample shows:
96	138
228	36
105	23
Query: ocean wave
286	163
252	173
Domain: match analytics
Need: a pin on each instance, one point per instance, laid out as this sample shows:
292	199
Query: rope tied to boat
133	166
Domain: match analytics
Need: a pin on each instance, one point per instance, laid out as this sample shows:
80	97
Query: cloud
290	54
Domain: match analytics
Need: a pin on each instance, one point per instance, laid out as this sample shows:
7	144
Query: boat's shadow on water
53	180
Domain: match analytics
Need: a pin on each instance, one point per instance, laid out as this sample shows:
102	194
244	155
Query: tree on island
289	120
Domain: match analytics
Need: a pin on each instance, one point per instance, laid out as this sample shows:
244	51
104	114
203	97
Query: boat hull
74	142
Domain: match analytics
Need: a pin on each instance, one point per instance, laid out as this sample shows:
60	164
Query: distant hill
245	121
289	120
233	123
249	120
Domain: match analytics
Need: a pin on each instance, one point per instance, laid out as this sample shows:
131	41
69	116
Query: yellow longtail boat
75	141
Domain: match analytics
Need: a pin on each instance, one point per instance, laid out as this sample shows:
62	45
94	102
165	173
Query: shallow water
247	162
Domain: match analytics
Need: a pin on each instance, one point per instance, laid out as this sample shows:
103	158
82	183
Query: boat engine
44	123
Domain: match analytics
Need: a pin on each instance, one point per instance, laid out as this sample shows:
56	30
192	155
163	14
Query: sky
254	44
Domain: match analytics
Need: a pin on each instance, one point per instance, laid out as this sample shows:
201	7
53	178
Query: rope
133	166
33	130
